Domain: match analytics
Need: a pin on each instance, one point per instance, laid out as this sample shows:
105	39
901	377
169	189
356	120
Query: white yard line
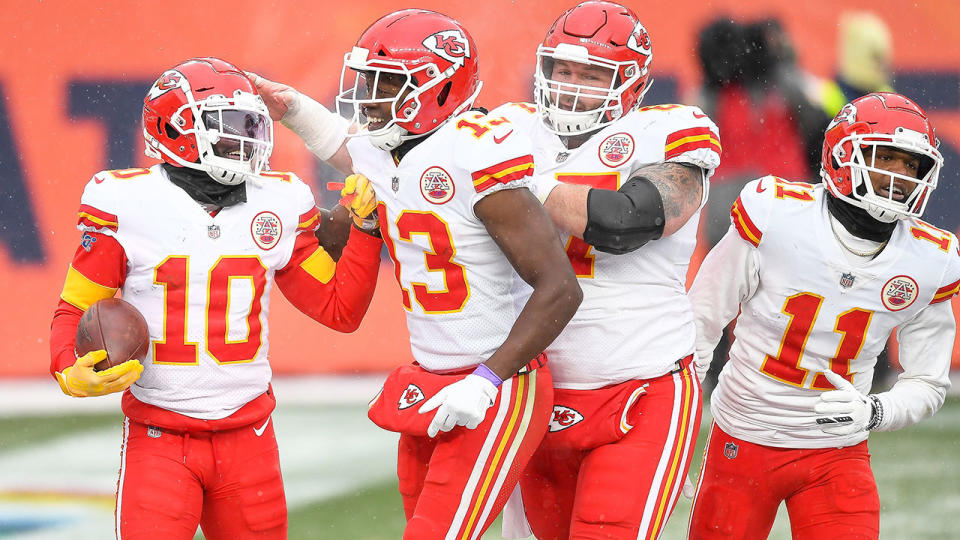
63	487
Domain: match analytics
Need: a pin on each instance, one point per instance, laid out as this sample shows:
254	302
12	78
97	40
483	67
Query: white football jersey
455	282
202	283
635	320
813	310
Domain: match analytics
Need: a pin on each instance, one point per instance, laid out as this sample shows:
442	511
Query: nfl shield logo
213	231
395	184
730	450
846	280
562	156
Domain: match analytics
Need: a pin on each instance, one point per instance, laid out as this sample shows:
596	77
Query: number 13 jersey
455	282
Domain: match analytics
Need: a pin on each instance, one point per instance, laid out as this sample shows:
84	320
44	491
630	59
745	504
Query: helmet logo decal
847	114
436	185
450	45
616	149
639	40
899	293
266	229
168	81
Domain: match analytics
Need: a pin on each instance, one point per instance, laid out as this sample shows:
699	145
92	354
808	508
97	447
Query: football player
458	222
821	275
624	184
196	243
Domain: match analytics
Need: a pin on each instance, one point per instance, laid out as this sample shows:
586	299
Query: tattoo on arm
680	186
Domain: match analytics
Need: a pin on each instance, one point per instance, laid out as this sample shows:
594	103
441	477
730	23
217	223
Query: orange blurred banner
73	76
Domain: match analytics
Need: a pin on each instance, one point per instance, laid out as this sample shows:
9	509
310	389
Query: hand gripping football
117	327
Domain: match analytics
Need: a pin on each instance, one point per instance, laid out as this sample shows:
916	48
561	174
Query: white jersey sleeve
496	154
729	274
926	345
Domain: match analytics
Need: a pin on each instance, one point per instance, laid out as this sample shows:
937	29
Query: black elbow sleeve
623	221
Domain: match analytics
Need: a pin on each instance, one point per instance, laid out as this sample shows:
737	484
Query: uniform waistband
538	362
682	364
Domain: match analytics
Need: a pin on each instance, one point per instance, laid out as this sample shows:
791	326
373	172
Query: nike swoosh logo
698	115
259	431
499	140
760	188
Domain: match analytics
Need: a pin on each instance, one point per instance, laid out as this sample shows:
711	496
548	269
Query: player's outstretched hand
359	198
843	411
278	97
80	379
463	403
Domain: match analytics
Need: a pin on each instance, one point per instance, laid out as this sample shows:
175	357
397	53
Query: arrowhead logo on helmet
450	45
639	40
168	81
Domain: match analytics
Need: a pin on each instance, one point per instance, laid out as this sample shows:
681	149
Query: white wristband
322	131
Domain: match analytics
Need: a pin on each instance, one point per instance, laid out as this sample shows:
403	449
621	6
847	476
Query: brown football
116	326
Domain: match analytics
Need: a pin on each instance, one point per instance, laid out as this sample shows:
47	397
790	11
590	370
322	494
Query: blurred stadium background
71	83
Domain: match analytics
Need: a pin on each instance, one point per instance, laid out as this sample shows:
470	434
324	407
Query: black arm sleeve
623	221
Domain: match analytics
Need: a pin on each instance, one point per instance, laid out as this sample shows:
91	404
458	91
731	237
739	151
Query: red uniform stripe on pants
497	456
675	458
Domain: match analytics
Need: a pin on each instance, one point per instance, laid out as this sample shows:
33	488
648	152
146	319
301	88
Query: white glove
689	490
463	403
846	411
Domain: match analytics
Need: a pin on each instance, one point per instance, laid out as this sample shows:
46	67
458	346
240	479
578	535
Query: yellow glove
80	380
359	198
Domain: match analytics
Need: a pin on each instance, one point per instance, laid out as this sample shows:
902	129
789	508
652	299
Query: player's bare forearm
567	206
680	187
523	230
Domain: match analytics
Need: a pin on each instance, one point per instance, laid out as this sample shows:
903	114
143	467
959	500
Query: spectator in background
761	101
865	48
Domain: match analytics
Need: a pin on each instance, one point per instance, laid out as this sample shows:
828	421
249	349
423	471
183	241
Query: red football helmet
849	153
596	33
435	61
205	114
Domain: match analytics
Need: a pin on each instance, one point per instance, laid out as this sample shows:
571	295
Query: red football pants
228	482
830	492
618	471
455	484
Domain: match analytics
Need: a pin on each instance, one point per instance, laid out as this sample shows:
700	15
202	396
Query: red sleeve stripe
704	138
946	293
678	136
309	219
503	173
748	231
91	217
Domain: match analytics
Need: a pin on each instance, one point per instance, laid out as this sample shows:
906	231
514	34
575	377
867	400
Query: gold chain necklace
854	251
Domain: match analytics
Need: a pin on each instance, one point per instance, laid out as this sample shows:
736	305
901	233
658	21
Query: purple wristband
488	374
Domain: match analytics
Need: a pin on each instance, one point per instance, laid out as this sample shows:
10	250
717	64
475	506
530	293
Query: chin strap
204	189
858	222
